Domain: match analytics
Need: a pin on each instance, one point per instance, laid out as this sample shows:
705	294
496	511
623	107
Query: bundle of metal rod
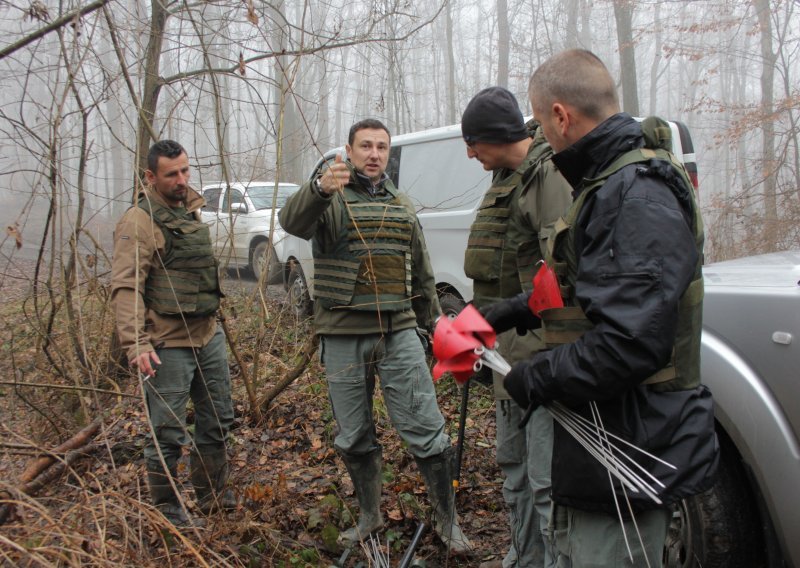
491	359
374	552
600	444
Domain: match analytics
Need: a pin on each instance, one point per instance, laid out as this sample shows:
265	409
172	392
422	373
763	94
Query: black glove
484	376
519	386
511	312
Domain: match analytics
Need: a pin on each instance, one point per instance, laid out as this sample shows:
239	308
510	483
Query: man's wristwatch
318	187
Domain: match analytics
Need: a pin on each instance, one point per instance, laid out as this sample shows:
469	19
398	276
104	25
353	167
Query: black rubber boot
365	472
209	473
165	499
437	471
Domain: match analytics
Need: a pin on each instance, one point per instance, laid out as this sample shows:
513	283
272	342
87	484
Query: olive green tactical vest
370	269
186	281
567	324
501	256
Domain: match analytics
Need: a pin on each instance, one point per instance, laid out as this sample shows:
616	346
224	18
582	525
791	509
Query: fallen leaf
14	232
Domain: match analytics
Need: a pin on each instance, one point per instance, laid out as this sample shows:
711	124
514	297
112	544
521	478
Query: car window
212	198
231	196
261	195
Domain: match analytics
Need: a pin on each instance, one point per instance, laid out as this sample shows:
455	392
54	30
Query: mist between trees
259	90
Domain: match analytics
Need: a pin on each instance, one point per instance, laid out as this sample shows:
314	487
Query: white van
446	187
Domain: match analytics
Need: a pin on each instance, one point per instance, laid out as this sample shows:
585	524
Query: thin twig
67	387
67	18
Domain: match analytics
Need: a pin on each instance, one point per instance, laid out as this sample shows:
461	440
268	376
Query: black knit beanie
493	116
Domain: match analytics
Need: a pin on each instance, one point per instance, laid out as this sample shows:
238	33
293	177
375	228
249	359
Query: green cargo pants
595	540
351	363
524	456
200	374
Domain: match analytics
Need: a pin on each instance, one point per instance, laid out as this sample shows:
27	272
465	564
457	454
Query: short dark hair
372	123
576	77
167	149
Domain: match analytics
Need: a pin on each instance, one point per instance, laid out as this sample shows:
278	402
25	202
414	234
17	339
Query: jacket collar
596	150
194	201
362	180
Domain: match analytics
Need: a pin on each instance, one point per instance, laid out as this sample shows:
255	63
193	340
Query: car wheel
258	263
297	292
719	528
451	304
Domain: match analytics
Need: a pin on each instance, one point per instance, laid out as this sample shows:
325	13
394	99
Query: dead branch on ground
28	482
305	358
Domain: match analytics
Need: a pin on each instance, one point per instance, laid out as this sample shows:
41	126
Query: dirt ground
294	491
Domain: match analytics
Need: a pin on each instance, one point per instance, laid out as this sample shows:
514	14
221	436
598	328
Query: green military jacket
327	221
509	237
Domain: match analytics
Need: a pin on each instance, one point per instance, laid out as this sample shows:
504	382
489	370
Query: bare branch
60	22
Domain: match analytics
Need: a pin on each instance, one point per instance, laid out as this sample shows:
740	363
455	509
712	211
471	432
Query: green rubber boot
165	499
365	472
437	471
209	473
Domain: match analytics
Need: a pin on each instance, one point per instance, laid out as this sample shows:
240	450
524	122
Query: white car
241	217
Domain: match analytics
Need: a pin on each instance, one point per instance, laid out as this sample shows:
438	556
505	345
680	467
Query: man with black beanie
506	242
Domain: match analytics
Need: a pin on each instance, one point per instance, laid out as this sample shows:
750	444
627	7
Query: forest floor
294	492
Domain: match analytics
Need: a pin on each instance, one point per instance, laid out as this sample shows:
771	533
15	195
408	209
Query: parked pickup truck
751	362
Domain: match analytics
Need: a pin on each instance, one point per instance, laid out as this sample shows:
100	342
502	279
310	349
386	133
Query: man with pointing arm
373	287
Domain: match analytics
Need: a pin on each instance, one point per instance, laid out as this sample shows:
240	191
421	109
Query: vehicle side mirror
239	208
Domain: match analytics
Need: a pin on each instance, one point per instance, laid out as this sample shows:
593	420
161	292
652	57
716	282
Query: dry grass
93	509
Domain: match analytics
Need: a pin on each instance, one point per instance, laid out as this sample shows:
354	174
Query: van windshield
261	195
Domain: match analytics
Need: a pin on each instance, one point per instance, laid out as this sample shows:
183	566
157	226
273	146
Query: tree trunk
453	114
623	14
503	43
291	141
769	164
571	9
152	85
655	71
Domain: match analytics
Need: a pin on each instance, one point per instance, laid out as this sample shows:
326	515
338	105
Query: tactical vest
370	268
185	280
567	324
501	259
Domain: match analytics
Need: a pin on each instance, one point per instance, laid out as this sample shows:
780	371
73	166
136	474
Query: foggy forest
259	91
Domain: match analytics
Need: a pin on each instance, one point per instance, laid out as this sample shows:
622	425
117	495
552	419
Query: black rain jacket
634	224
